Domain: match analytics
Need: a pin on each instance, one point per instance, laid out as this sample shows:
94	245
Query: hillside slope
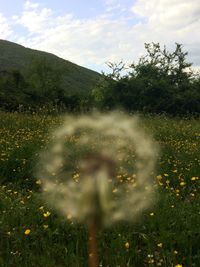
74	77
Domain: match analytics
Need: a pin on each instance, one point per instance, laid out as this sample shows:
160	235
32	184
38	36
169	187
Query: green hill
32	78
74	78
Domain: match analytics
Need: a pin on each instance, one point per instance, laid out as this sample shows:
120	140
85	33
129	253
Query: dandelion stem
92	244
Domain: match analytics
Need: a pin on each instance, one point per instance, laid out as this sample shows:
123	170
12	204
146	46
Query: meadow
33	234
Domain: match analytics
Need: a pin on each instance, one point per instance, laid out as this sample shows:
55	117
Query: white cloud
114	7
87	41
168	13
170	21
28	5
34	18
92	42
5	30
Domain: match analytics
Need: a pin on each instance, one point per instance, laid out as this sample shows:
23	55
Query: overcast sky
92	32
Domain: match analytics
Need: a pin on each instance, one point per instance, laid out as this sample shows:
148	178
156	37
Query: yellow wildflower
151	261
46	214
127	245
27	231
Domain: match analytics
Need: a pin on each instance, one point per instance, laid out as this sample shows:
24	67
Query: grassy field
32	234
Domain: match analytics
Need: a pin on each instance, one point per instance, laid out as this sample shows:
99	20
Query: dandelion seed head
99	166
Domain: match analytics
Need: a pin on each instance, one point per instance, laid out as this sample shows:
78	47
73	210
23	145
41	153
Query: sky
93	32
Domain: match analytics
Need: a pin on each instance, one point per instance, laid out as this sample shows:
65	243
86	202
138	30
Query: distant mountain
74	77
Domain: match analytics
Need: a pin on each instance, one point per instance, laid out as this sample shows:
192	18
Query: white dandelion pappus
99	166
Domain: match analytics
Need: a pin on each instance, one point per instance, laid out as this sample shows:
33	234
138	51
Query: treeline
160	82
40	86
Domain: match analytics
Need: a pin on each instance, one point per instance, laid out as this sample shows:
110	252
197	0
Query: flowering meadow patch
33	234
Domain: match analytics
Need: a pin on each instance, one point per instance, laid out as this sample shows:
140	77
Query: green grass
166	235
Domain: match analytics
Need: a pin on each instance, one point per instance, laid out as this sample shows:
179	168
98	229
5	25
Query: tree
103	94
158	82
12	87
163	64
44	82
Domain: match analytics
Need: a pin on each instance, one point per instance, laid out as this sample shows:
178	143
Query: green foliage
12	87
33	78
160	82
44	83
